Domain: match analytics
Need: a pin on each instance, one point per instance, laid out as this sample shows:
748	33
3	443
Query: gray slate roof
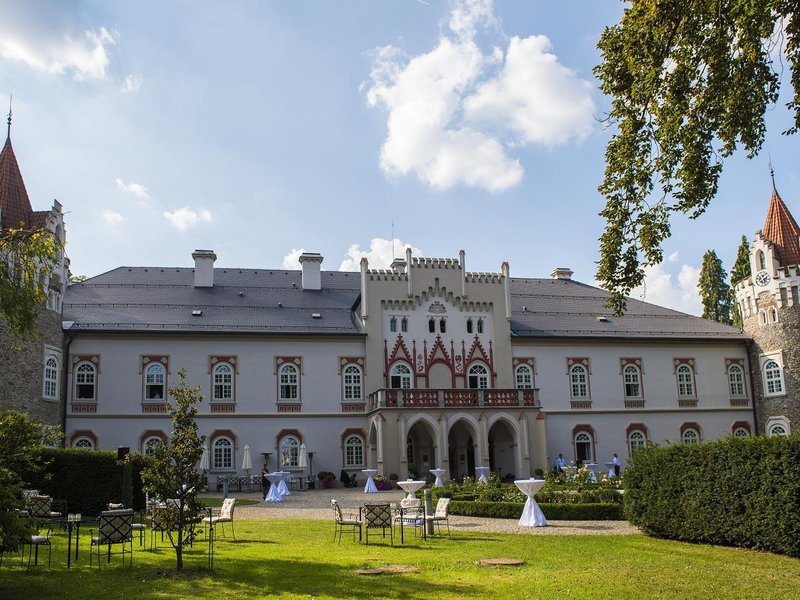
566	309
242	300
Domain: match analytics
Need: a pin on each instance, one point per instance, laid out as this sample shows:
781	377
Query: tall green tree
715	292
740	270
26	260
690	81
173	473
21	440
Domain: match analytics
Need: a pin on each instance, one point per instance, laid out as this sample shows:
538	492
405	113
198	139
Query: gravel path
315	504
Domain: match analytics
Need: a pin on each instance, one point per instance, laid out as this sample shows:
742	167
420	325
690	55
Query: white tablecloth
410	487
592	467
273	495
482	474
438	474
283	489
532	515
370	488
610	467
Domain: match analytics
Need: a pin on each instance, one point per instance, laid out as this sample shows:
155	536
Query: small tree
740	270
21	440
173	473
26	260
714	289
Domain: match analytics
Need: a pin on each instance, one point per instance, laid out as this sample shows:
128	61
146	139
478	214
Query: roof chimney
561	273
312	277
204	268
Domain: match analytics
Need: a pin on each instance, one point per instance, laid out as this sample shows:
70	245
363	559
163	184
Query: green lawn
217	502
294	558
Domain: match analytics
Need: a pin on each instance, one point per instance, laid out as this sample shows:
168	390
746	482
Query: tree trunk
179	549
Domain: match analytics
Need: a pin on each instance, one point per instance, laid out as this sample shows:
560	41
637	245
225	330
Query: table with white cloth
273	495
410	487
283	489
482	474
438	474
532	515
591	467
370	488
610	467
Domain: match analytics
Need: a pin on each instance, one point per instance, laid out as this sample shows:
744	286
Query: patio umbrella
247	464
301	461
204	459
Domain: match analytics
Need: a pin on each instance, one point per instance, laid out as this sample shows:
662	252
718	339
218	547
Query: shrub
513	510
326	476
739	492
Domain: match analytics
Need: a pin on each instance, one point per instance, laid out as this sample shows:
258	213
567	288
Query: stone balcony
452	398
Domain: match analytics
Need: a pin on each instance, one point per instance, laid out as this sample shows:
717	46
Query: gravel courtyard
315	504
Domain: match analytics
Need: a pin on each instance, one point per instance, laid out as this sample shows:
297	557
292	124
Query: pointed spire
15	207
8	132
781	229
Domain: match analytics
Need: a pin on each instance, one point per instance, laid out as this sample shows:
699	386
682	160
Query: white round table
370	488
482	474
438	474
283	489
273	495
591	467
410	487
532	515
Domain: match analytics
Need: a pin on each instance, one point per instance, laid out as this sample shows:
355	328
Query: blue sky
261	128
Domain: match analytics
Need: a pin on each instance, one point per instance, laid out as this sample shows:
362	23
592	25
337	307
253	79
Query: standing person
560	463
615	460
264	481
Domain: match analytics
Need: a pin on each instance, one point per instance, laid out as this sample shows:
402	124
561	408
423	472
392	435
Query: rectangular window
392	325
404	325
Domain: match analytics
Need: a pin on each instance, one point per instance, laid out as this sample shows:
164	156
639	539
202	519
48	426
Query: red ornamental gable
477	352
439	353
400	352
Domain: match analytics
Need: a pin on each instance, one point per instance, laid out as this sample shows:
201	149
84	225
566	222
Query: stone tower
770	306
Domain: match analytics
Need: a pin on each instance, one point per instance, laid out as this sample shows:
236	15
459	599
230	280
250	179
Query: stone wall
771	337
22	373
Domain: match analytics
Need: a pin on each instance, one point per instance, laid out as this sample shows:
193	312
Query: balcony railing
452	398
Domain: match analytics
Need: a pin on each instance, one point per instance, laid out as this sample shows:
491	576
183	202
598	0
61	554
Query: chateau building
769	304
421	366
32	377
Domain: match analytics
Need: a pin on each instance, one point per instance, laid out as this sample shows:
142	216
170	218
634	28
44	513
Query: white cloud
84	57
291	261
184	218
673	257
661	288
380	254
137	189
454	112
112	217
132	83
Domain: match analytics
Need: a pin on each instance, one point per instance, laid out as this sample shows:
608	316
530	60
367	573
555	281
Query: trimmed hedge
87	479
564	512
733	492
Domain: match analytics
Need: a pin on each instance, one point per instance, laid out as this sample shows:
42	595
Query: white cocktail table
438	474
273	495
482	474
283	489
370	488
532	515
410	487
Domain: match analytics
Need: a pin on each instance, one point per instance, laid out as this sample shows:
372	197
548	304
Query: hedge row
738	492
88	479
565	512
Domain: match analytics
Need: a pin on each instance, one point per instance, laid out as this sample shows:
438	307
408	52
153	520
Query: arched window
431	326
736	380
480	325
636	441
84	443
351	379
773	378
777	429
289	451
524	377
404	325
154	382
685	381
633	381
469	325
222	454
762	317
392	324
85	381
741	432
579	382
353	451
400	376
773	315
761	259
288	382
478	377
50	388
442	326
584	451
223	382
690	436
149	445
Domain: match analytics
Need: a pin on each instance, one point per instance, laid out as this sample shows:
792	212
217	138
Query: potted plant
393	479
326	479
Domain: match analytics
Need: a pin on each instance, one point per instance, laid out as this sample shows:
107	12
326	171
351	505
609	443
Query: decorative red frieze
154	408
688	403
580	404
83	408
634	403
218	407
460	398
286	407
581	360
282	360
740	402
149	358
214	360
353	407
624	362
351	360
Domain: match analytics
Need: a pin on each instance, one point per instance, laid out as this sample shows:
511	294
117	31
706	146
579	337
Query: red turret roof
781	229
15	207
